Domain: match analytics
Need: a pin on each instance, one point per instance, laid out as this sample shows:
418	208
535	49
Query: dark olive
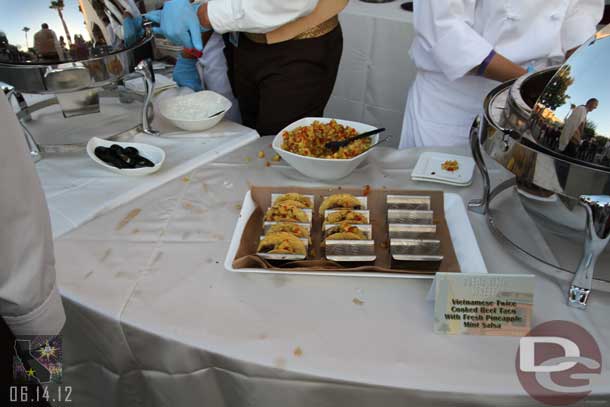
131	152
144	162
106	155
122	158
116	148
129	161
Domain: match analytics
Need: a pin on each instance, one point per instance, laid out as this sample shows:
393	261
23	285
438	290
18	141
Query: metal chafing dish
552	130
76	52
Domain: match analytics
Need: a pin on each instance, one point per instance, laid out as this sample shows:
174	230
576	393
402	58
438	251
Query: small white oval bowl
324	169
216	101
154	154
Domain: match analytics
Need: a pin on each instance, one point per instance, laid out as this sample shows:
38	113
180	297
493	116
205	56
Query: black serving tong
335	145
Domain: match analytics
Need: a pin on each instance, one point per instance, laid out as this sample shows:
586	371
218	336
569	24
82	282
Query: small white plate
455	184
464	243
429	168
154	154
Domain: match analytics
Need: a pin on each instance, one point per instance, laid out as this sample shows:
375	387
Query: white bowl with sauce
195	111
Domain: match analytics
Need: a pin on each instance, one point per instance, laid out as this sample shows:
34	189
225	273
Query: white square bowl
324	169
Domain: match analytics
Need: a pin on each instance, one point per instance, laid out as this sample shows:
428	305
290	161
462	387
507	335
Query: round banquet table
155	320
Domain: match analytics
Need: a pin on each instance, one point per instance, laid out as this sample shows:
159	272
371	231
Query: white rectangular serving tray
463	238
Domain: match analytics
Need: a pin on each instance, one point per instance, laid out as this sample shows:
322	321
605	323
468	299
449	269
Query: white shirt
572	124
454	36
29	300
256	16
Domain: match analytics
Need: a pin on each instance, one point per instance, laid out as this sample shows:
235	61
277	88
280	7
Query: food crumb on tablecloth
128	218
267	164
261	154
357	301
298	352
276	158
186	179
157	258
105	255
279	362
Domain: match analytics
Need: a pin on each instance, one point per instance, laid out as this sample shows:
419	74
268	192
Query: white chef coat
455	36
577	117
30	303
256	16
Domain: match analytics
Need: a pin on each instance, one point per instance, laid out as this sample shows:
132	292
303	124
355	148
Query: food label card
483	304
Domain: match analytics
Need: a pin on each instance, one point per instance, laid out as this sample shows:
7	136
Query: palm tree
25	30
59	6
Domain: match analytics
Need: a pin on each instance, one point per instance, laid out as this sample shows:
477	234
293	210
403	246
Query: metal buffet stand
552	130
90	55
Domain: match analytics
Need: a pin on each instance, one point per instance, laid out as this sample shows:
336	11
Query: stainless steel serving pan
528	126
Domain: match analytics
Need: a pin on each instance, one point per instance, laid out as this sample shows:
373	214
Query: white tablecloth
376	70
78	189
155	320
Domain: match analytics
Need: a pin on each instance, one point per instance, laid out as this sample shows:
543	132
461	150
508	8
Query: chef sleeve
581	22
30	303
446	34
256	16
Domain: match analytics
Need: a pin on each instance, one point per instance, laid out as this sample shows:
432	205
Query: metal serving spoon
335	145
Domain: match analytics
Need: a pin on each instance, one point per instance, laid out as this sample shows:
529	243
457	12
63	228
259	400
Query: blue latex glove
185	74
178	22
132	30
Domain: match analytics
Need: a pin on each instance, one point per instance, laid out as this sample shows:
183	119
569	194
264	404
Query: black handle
364	135
334	145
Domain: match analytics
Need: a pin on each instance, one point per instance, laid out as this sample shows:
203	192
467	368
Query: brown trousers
281	83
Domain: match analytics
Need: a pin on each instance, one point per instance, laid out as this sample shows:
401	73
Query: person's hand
186	74
132	30
178	22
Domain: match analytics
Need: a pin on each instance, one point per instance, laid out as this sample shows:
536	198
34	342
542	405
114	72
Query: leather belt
315	32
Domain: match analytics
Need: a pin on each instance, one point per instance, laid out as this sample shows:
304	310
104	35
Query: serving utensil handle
145	69
596	239
364	135
479	205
